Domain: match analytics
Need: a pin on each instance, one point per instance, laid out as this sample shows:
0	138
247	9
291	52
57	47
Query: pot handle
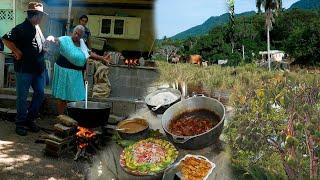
180	140
194	94
156	108
114	127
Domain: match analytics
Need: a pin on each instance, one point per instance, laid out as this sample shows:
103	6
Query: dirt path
21	158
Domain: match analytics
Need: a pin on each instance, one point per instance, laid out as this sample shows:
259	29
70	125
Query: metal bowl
141	134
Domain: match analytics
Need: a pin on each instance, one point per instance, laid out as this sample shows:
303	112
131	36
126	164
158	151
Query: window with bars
106	26
6	14
118	26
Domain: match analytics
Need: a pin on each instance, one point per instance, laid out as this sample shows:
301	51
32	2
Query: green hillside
215	21
204	28
306	4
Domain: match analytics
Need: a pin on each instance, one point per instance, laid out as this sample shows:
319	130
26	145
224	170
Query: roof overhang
271	52
122	4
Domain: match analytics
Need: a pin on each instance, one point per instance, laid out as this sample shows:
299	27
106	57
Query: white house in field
275	55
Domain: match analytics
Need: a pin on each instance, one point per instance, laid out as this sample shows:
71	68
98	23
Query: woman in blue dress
68	84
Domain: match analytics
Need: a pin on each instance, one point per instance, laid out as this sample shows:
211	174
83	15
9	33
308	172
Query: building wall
131	83
147	33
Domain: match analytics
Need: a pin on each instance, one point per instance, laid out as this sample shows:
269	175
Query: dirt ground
22	158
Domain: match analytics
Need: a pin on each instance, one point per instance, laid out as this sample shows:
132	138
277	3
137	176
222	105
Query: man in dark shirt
26	43
83	20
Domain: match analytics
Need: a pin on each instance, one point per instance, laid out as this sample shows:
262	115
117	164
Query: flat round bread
148	157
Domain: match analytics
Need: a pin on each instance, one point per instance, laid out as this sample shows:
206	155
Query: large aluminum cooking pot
96	114
161	108
194	103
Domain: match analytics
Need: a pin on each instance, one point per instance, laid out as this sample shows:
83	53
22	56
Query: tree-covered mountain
306	4
215	21
296	32
204	28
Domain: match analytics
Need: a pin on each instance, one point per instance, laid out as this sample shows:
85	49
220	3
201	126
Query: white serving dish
198	157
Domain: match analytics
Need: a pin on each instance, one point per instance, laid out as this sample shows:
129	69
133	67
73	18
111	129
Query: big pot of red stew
194	123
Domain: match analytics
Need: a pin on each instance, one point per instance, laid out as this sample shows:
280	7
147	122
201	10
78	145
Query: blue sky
174	16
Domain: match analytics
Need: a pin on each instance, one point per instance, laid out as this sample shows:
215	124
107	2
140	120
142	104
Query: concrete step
9	101
120	106
12	91
7	114
8	91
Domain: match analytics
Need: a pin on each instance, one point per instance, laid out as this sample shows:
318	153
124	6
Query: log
67	121
55	138
57	149
64	131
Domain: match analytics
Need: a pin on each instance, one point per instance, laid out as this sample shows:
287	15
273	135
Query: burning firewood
67	121
85	133
63	131
85	138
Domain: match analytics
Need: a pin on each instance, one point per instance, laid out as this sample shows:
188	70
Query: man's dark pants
27	114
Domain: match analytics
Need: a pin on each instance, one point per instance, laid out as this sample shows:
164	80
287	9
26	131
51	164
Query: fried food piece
194	169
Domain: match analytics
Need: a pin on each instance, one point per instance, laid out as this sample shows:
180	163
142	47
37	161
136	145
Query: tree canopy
297	32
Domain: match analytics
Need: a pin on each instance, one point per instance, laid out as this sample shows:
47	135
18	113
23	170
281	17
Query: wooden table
107	163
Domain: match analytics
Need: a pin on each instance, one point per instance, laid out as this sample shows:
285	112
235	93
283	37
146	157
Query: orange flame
85	133
131	62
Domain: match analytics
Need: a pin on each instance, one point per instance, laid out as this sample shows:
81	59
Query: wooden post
69	16
243	52
151	48
2	62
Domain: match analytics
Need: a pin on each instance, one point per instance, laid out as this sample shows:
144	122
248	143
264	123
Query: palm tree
270	6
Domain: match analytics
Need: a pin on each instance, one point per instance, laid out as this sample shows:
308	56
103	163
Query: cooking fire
131	62
84	136
85	139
